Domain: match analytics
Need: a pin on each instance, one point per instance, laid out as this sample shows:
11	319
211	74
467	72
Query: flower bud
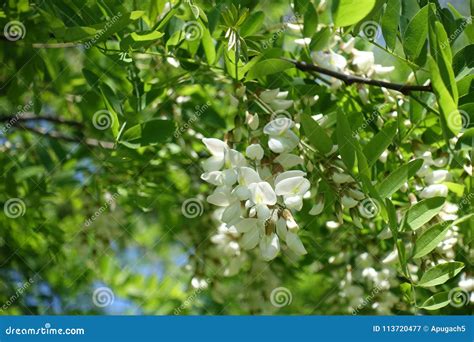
348	202
252	121
254	152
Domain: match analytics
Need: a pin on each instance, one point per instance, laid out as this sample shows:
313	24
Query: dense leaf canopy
236	157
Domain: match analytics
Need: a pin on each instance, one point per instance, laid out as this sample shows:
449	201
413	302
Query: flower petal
294	243
262	193
269	246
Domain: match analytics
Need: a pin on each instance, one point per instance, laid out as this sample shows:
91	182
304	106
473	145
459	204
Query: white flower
303	41
254	152
288	160
434	190
269	246
341	178
363	60
199	283
437	176
262	193
282	139
317	208
222	156
292	186
330	60
294	243
276	99
221	196
252	121
348	202
381	70
251	229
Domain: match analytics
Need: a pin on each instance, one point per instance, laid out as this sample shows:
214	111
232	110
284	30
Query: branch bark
27	116
18	121
350	79
56	135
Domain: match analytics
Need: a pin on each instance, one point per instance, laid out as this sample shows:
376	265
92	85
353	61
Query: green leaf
113	106
148	133
428	241
310	21
349	12
437	301
154	35
416	33
441	52
392	218
440	273
316	135
379	143
268	67
208	45
464	58
320	39
423	211
76	33
252	24
398	177
344	140
390	20
451	118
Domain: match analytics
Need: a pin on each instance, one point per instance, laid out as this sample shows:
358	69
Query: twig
24	117
56	135
350	79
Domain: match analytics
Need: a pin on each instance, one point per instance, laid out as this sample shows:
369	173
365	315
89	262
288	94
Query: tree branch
56	135
350	79
27	116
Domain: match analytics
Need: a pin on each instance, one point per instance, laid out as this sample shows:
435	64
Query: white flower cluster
433	177
256	201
